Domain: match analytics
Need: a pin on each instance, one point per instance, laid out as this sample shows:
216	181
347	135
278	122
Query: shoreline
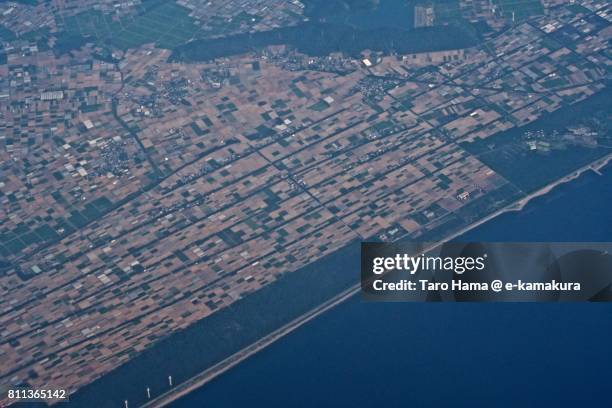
214	371
595	166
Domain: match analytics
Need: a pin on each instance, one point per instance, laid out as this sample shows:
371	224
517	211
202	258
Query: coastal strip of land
226	364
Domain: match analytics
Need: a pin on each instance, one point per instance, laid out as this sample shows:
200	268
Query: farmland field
522	9
163	22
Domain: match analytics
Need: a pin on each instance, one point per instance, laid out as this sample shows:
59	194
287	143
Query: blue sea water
447	355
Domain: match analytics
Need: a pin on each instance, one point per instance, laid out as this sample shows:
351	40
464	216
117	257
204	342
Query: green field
319	106
506	154
25	234
160	21
26	2
522	9
6	34
447	10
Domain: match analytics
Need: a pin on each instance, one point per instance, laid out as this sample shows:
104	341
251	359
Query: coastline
212	372
595	166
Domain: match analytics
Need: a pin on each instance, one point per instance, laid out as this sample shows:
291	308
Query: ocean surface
437	355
